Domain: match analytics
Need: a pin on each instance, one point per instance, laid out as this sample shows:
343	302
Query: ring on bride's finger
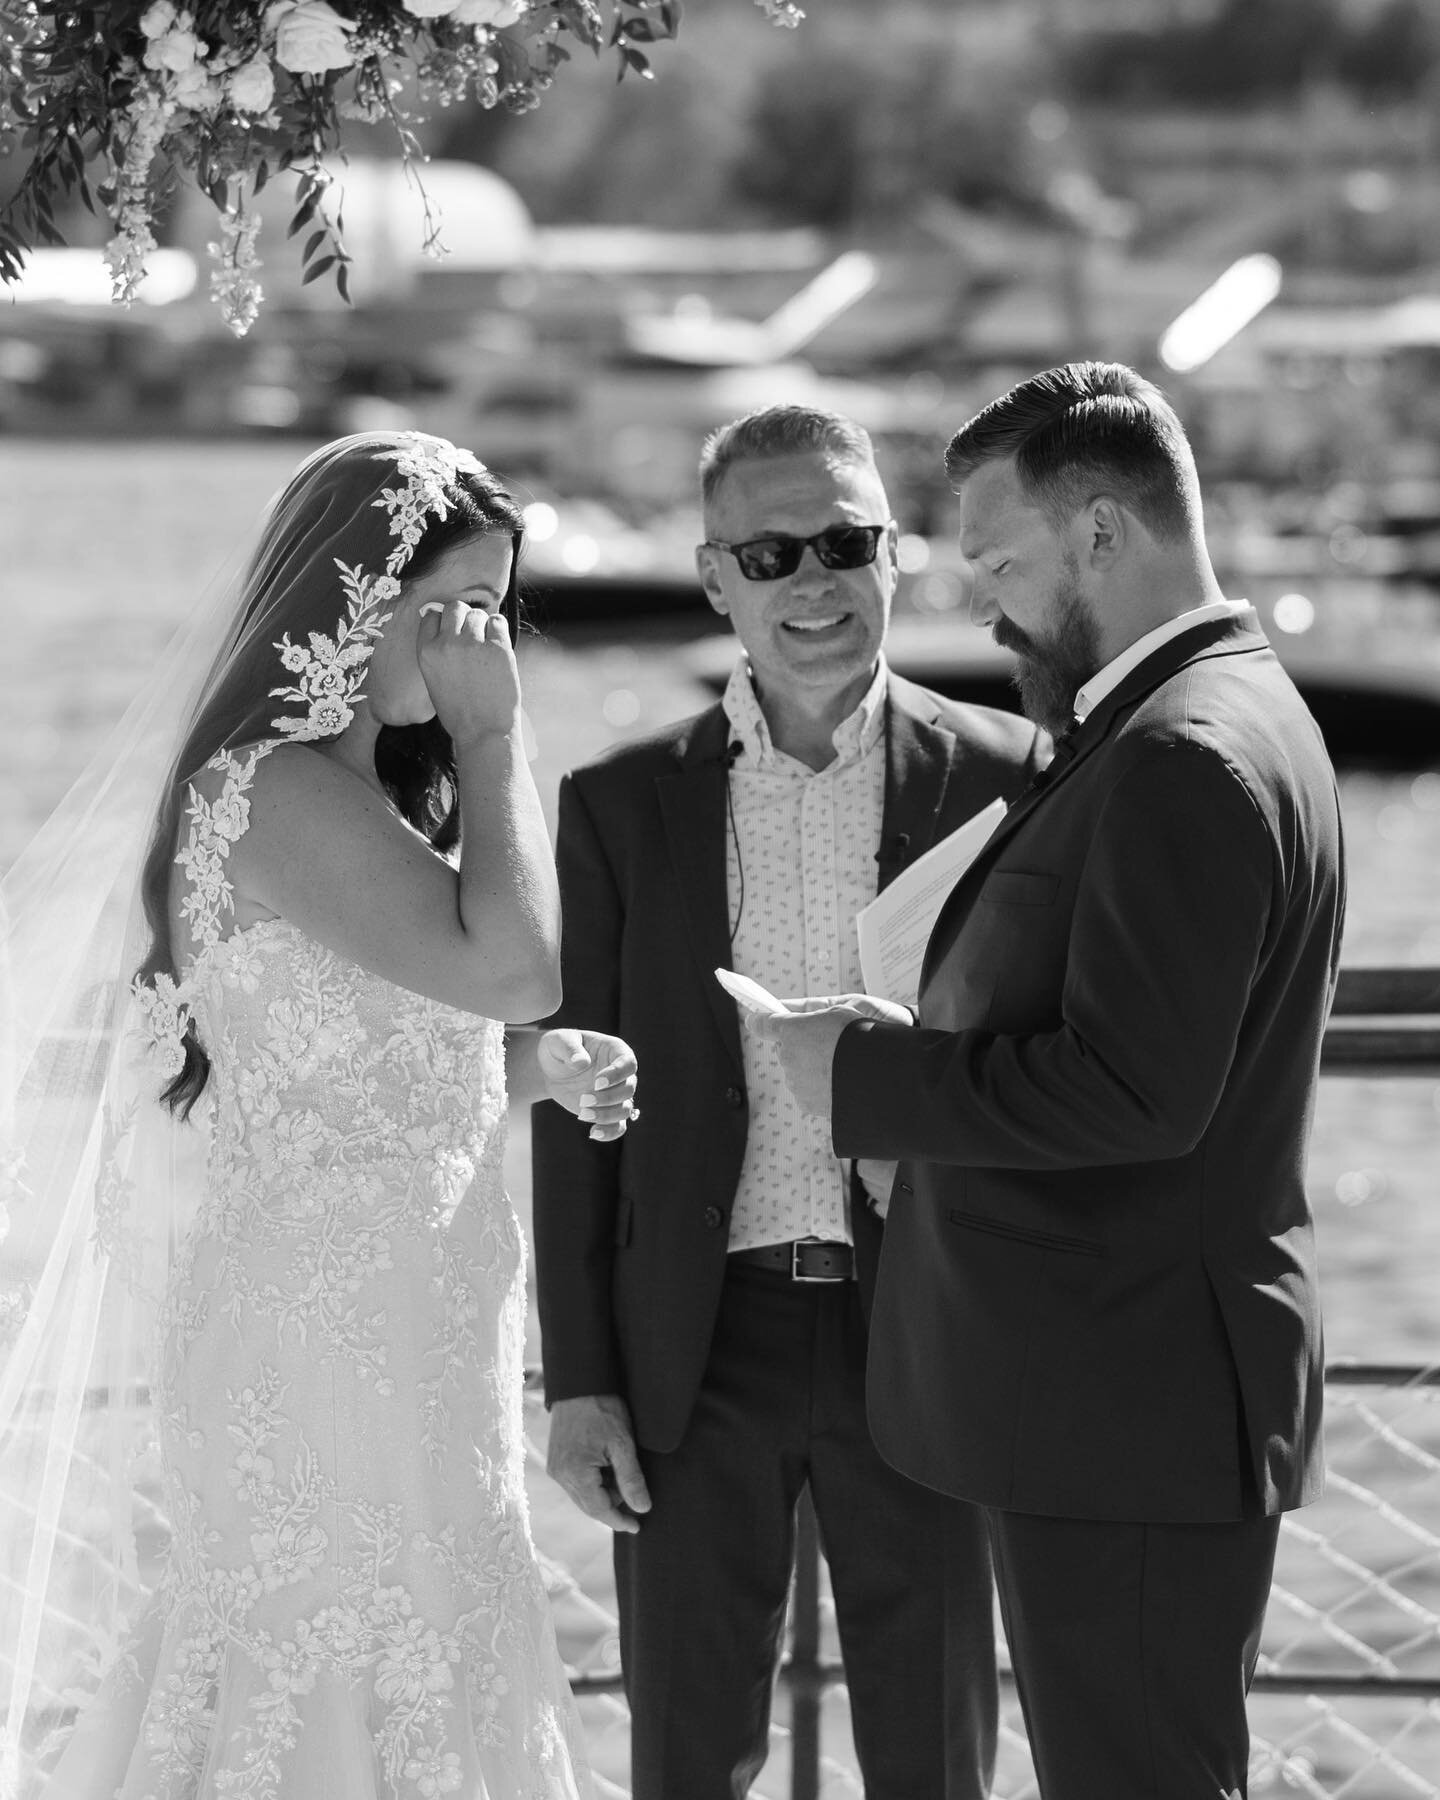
632	1115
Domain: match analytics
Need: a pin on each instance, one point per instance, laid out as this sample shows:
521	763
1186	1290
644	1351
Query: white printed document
895	927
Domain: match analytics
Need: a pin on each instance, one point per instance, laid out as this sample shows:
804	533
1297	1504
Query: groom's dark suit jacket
631	1238
1097	1294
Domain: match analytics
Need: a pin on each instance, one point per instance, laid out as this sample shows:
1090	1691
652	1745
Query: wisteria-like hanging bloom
134	239
233	277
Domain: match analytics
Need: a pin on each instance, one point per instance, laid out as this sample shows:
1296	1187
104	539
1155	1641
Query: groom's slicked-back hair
781	431
1084	429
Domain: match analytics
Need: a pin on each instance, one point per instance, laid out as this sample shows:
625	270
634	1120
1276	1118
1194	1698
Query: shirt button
734	1096
714	1218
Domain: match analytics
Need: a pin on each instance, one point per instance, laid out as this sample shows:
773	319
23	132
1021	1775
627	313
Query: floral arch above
226	93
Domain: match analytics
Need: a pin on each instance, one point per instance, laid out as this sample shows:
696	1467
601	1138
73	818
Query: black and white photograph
719	900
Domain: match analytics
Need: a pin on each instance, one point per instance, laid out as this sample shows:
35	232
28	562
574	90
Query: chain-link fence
1346	1702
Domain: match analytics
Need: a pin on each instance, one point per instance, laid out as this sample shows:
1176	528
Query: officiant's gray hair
781	431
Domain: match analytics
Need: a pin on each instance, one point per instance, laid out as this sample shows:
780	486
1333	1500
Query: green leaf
583	18
312	244
317	269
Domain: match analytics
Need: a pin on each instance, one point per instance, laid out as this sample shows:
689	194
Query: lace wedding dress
351	1604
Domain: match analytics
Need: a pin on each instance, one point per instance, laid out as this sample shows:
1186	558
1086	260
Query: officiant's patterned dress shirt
800	863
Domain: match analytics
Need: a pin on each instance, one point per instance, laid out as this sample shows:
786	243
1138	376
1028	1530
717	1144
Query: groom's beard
1052	669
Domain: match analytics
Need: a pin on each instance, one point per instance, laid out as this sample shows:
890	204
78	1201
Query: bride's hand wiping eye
593	1075
469	667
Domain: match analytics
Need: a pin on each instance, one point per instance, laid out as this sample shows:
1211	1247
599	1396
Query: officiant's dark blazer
631	1238
1097	1293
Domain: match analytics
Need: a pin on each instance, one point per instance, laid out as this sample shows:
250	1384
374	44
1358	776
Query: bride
263	1530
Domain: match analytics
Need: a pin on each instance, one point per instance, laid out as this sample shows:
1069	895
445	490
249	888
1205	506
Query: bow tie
1064	755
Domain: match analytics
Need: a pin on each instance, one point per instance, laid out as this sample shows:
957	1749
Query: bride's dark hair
325	520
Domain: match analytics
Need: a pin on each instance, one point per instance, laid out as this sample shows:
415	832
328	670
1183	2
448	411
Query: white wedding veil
98	1177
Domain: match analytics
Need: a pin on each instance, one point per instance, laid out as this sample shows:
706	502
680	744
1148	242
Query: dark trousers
1134	1646
702	1586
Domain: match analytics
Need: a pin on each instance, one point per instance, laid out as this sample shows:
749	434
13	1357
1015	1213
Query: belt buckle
795	1248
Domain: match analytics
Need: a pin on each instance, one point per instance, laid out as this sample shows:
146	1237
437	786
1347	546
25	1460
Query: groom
1097	1312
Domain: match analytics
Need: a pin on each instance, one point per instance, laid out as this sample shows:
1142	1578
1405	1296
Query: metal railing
1385	1022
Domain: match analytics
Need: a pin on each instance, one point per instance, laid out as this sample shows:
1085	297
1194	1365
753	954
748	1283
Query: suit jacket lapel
919	755
1237	634
693	810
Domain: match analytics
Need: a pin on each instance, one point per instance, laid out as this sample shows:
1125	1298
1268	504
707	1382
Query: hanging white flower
156	20
176	49
252	86
494	13
235	269
194	89
310	36
427	9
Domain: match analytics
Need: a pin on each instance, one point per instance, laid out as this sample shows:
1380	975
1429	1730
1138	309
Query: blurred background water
896	212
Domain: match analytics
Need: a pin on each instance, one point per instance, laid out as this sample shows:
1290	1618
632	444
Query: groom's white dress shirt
1131	657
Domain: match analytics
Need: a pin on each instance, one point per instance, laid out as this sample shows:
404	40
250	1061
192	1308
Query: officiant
703	1283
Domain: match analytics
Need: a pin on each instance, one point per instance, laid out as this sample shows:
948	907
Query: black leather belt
804	1259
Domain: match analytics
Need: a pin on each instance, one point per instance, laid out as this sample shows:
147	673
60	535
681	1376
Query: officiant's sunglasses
772	558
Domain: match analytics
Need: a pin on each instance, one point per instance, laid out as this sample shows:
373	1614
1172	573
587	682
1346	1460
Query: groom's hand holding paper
805	1032
893	931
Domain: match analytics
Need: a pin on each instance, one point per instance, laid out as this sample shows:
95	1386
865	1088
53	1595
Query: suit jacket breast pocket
1025	934
1019	887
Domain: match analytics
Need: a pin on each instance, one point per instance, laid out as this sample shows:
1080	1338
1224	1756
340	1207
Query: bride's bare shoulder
271	764
272	775
274	801
304	799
